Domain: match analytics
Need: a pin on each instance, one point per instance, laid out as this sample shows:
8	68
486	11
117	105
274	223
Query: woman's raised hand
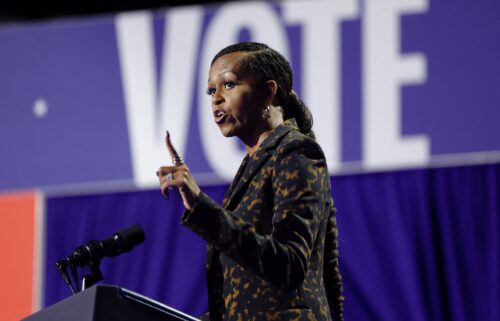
179	176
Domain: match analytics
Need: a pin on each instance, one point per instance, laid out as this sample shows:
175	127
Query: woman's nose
217	99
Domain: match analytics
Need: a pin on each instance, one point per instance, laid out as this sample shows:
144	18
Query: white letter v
137	61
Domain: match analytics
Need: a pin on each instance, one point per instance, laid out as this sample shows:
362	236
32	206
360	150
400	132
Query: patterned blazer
266	241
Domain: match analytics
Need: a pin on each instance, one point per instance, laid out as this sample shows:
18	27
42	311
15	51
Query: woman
272	250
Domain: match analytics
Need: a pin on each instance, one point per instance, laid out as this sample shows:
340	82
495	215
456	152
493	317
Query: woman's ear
271	91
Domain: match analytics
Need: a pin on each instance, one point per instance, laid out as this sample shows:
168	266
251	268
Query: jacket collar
252	164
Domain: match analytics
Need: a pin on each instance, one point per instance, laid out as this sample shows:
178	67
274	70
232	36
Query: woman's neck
253	142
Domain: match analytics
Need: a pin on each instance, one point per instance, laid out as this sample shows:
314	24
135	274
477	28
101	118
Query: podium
108	303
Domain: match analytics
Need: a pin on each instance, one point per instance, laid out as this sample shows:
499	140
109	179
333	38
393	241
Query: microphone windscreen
130	236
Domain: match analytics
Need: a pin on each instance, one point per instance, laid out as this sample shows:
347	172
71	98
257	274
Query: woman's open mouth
219	116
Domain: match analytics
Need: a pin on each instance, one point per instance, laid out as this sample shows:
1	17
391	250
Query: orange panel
17	217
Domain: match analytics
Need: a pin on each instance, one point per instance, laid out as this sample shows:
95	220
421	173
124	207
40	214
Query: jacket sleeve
282	257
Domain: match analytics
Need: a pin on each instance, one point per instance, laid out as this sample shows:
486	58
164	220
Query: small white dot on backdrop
40	108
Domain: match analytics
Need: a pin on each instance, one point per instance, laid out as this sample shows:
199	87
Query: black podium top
108	303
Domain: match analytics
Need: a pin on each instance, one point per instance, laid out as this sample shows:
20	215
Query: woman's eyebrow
225	71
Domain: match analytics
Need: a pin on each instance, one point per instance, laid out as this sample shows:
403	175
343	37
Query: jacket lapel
252	164
236	179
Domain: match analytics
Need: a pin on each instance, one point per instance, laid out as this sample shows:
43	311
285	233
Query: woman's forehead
232	62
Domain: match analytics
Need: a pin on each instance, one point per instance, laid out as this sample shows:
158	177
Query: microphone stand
62	266
94	276
74	274
86	281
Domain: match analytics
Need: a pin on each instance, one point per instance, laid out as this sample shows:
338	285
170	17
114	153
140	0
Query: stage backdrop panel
417	245
390	84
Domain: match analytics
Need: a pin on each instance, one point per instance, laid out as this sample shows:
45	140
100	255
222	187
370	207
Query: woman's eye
226	84
229	84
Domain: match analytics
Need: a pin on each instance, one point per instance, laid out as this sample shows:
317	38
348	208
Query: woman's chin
226	132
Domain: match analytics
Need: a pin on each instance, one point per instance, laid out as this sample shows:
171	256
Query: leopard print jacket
265	243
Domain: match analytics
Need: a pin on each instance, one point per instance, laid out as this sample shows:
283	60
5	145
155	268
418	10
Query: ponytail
296	108
331	269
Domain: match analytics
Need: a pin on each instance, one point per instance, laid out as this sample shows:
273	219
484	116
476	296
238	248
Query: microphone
94	251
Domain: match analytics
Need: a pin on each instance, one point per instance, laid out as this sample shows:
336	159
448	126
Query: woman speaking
272	250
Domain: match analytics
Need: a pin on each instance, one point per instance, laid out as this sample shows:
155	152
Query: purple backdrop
415	245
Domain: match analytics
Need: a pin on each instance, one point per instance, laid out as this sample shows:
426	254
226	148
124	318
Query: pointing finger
176	158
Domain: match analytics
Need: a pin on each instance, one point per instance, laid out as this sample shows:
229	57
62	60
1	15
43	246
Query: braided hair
267	64
331	268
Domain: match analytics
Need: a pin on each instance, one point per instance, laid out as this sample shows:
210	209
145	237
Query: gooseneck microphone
91	253
120	242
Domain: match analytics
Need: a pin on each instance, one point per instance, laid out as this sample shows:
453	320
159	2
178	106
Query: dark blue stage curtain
415	244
